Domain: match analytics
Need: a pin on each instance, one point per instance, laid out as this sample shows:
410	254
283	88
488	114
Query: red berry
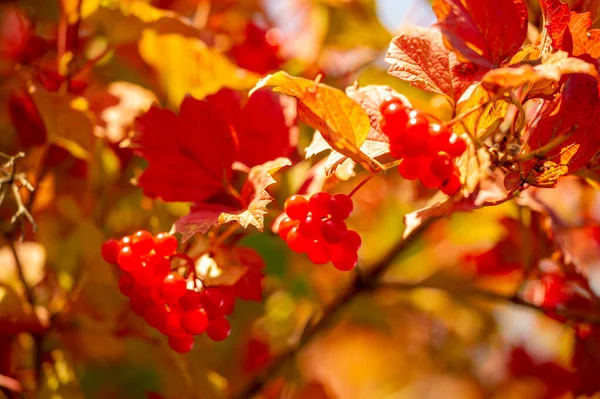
340	206
218	329
142	242
173	287
296	207
452	186
182	343
310	227
428	179
441	166
155	316
352	240
319	204
394	117
440	136
318	253
297	241
172	323
397	149
110	251
417	135
126	284
333	230
125	241
129	261
139	304
285	226
410	167
212	299
159	267
165	244
194	321
456	146
344	260
191	300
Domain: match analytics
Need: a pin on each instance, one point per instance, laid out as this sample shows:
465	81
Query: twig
361	284
570	314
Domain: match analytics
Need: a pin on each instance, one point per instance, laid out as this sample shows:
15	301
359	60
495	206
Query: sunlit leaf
186	65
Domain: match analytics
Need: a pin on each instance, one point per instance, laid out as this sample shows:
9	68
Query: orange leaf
419	57
585	41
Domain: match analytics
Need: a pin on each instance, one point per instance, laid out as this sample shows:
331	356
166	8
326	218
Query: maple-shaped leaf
255	199
585	40
552	68
341	121
376	145
420	57
567	135
483	32
189	155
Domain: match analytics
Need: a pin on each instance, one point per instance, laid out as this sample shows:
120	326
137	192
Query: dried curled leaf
259	178
420	57
341	121
552	68
474	30
204	215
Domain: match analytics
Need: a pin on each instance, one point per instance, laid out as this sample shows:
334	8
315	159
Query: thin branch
362	283
569	314
28	292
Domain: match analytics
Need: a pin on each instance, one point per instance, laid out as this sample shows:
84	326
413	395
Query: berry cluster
316	227
168	301
427	150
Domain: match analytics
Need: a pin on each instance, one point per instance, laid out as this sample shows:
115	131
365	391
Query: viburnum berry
343	258
319	204
318	253
441	165
212	299
296	207
297	241
182	343
142	242
428	179
195	321
332	230
110	251
417	134
456	146
340	206
128	260
218	329
126	284
451	186
190	300
165	244
285	226
410	167
352	240
310	227
173	287
394	117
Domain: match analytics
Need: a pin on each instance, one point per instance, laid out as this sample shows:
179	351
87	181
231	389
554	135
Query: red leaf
484	32
556	18
420	57
573	123
190	155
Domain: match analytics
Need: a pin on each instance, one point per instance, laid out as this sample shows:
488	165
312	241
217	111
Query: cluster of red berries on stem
174	304
316	227
427	150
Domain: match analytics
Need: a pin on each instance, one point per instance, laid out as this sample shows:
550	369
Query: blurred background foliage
431	339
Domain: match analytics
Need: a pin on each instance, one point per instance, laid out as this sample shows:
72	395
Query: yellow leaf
342	121
485	114
187	65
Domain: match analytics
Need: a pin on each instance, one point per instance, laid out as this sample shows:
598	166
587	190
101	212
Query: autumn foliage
284	199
